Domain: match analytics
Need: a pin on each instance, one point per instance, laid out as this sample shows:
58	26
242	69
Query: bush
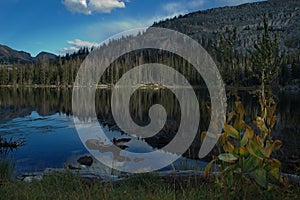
245	151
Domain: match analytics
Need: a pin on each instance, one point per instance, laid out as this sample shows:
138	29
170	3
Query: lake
42	117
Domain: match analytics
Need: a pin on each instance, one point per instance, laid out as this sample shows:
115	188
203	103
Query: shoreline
140	86
95	175
148	86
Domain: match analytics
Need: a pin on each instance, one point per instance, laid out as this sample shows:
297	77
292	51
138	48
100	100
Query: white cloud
69	50
79	6
105	6
112	27
80	43
75	45
99	31
89	6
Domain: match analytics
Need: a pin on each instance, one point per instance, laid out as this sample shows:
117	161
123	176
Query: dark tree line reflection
19	102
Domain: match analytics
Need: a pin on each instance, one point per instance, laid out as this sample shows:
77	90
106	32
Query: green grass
149	186
6	169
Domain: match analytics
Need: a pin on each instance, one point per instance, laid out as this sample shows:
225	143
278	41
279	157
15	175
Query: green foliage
229	65
266	58
45	73
244	152
237	66
262	64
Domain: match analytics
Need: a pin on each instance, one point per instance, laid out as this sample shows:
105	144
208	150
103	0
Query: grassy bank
149	186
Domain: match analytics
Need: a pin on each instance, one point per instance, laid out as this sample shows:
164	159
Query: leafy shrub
245	150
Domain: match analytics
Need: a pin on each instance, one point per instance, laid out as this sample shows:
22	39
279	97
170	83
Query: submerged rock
86	160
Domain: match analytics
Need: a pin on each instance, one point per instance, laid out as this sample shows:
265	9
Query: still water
43	119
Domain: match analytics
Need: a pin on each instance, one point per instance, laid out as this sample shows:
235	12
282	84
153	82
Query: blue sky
59	26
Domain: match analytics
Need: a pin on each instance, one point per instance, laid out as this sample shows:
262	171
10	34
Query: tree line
237	67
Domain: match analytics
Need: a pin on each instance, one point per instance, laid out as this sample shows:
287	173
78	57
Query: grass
148	186
6	169
67	185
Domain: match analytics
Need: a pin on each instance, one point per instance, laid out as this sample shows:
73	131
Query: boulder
85	160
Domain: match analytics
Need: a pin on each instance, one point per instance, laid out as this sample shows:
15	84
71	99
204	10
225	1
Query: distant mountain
45	56
203	26
9	56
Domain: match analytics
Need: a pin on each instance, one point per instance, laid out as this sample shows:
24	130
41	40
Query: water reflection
41	116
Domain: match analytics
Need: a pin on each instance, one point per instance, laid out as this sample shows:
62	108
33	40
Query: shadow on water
41	116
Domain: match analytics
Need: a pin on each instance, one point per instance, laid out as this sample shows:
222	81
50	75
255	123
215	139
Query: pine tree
266	58
228	56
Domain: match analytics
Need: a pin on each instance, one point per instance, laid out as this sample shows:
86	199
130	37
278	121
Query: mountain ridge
9	56
204	26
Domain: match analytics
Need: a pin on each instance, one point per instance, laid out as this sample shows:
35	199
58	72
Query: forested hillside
238	38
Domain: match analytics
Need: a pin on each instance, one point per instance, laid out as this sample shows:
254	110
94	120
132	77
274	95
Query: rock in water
85	160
